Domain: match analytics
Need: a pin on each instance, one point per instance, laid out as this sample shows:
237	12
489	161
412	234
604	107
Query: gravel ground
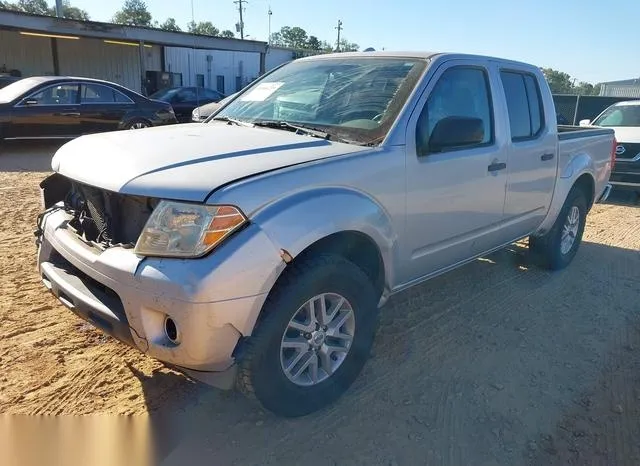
499	362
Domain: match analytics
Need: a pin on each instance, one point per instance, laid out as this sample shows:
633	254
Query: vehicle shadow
624	197
468	368
27	156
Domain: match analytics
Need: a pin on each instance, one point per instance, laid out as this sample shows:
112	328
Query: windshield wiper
316	133
233	121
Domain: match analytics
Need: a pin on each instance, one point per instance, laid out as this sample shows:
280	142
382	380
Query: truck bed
573	132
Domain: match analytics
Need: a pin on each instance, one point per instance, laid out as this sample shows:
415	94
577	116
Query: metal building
142	59
624	88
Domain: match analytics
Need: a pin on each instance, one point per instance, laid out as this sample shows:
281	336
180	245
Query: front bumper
213	300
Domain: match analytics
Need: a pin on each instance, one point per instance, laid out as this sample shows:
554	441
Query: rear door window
524	104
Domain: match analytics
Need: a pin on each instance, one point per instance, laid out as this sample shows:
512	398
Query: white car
624	119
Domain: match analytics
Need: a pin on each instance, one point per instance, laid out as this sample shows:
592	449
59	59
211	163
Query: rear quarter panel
580	152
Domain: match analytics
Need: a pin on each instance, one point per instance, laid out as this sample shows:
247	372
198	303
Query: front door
455	194
52	112
532	154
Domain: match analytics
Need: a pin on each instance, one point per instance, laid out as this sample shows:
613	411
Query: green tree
35	7
228	34
204	28
294	37
170	25
559	82
313	43
346	46
133	13
71	12
585	88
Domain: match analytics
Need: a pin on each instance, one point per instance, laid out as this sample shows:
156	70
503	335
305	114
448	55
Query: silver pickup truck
255	249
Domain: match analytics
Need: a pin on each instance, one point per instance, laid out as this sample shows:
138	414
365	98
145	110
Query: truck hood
628	134
186	162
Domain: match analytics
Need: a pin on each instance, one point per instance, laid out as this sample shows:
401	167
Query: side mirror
455	131
586	122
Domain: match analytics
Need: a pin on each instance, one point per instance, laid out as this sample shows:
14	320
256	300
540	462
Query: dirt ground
499	362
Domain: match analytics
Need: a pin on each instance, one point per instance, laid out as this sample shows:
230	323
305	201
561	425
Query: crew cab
624	119
254	250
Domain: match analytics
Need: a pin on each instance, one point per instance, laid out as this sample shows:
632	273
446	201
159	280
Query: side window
187	95
458	113
62	94
96	94
121	98
524	104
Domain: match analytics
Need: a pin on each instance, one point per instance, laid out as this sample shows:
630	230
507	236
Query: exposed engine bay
99	217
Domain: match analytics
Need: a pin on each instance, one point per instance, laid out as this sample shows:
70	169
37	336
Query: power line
339	28
240	25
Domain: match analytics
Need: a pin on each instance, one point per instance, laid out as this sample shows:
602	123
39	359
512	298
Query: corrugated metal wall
612	90
230	65
31	55
92	58
276	57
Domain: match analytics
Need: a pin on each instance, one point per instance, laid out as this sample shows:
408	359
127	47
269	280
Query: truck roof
410	54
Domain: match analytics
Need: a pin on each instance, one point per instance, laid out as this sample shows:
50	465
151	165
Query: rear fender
296	222
578	165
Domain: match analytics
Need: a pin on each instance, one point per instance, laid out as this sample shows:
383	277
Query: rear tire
288	325
559	246
137	124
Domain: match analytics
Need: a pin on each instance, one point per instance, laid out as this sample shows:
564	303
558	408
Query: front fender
297	221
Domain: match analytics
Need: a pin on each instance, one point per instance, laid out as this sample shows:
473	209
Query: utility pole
59	8
240	25
339	28
269	13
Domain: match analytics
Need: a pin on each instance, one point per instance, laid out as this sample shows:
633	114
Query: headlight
195	115
177	229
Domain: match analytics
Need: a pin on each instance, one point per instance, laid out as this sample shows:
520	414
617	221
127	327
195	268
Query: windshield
14	90
356	100
619	115
164	94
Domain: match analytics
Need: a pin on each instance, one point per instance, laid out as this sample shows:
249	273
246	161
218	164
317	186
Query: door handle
494	167
70	114
545	157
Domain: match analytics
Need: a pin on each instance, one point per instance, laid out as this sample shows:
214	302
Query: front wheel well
586	184
357	248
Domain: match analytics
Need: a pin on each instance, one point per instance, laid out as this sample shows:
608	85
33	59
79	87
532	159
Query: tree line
563	83
136	13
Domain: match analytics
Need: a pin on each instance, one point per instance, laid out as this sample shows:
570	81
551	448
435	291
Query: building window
220	84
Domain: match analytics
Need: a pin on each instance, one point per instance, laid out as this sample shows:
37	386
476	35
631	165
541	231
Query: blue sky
592	41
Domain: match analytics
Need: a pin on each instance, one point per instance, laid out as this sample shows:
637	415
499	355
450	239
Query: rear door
455	197
532	164
102	107
184	102
50	112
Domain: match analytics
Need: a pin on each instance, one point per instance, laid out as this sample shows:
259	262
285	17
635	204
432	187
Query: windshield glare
619	115
351	99
14	90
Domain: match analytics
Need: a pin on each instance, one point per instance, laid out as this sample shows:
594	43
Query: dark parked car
184	100
6	80
63	107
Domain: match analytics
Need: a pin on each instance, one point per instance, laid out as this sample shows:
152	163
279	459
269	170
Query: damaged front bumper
213	301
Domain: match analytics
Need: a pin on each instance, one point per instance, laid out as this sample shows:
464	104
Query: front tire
316	334
559	246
